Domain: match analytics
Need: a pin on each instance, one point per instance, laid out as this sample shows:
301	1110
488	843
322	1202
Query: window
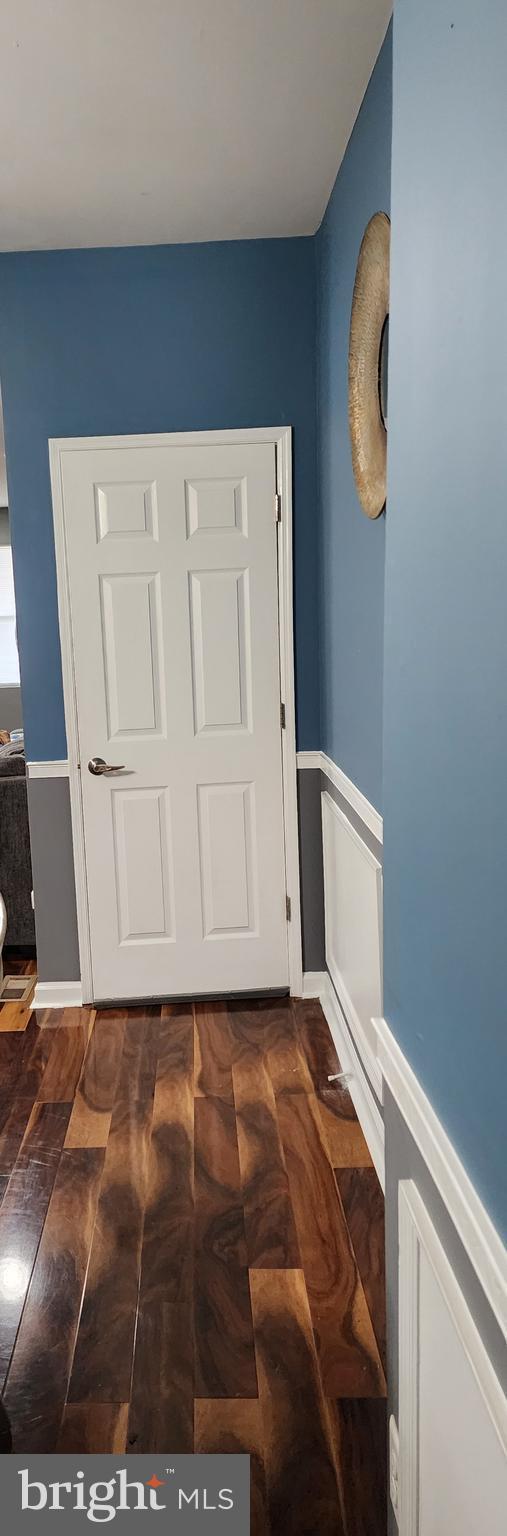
9	663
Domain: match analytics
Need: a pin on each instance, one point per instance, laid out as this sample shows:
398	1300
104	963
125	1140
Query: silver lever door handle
97	766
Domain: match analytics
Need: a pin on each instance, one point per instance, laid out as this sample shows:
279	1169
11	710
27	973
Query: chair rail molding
57	769
474	1226
345	786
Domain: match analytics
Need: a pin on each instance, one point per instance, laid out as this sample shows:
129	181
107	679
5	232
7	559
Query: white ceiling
132	122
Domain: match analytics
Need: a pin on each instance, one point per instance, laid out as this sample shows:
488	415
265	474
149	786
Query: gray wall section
11	713
53	880
404	1161
311	869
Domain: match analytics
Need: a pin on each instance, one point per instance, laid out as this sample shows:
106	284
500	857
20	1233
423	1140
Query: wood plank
14	1117
360	1435
363	1204
213	1052
225	1359
37	1382
167	1250
344	1138
99	1428
299	1454
138	1065
348	1354
90	1120
23	1058
161	1415
66	1059
288	1067
269	1222
102	1365
234	1428
162	1406
23	1213
257	1023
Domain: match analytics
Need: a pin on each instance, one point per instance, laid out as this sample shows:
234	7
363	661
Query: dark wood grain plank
23	1058
234	1428
14	1117
255	1024
89	1428
225	1360
162	1406
360	1436
167	1251
62	1072
90	1120
348	1354
363	1204
136	1078
344	1138
102	1365
23	1213
269	1222
161	1414
37	1382
298	1446
213	1052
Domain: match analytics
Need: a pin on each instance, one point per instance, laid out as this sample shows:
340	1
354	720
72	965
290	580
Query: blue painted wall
164	338
352	547
445	704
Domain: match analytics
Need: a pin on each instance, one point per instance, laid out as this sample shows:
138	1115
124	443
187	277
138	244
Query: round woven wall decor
370	308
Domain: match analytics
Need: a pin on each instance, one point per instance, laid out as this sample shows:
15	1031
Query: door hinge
282	716
278	507
288	908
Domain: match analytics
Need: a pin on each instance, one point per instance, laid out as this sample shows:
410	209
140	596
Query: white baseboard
345	787
363	1098
58	994
482	1242
313	983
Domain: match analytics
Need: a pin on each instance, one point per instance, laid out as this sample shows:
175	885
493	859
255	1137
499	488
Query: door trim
281	438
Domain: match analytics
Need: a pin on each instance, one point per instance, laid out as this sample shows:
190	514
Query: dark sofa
15	861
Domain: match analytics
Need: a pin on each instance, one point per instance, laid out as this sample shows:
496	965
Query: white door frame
281	437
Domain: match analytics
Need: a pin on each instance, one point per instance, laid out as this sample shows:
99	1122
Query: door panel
172	563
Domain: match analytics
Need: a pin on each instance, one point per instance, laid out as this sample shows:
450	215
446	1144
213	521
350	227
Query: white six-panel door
172	580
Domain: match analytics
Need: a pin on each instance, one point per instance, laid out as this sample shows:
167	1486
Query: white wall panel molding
58	994
314	983
345	787
59	769
452	1473
353	926
479	1236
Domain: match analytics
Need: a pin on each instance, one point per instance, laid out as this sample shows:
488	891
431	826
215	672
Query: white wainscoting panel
353	923
452	1411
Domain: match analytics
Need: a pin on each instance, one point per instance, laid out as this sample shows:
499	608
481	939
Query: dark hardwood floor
191	1251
